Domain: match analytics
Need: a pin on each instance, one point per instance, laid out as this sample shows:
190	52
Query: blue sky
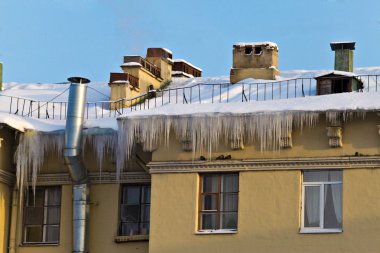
49	40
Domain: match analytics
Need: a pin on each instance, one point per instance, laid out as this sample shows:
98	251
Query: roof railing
201	93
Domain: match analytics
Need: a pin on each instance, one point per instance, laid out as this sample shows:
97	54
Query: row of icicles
206	132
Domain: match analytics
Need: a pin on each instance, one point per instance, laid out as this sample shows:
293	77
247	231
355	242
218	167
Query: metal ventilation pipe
75	164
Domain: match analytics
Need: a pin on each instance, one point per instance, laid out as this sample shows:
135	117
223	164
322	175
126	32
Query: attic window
248	50
258	50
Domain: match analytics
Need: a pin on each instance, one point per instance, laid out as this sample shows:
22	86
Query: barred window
135	210
219	202
42	215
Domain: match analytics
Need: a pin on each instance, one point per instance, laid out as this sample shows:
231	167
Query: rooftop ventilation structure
344	55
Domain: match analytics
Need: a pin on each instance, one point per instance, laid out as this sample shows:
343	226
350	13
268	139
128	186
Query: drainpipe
74	162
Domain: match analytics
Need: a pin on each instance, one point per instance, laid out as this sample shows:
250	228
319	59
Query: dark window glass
42	215
135	210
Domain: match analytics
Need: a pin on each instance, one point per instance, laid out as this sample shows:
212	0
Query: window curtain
312	208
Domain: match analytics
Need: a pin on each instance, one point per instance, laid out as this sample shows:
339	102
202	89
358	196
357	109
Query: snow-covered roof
181	73
133	64
209	105
167	50
188	63
336	72
335	102
253	44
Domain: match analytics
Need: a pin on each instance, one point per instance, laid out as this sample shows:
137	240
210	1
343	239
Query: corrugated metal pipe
74	162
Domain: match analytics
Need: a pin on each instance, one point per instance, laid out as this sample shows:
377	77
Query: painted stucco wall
238	74
359	135
5	200
267	58
104	213
268	217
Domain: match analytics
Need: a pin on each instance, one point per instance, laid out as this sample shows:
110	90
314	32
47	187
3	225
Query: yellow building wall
268	217
359	135
238	74
5	200
145	77
104	213
268	58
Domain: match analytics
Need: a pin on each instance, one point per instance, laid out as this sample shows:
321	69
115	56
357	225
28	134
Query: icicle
208	130
103	144
30	154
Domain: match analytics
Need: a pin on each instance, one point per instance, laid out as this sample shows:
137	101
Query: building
146	74
257	60
285	175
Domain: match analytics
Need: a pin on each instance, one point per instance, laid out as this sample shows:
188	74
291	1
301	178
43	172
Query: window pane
129	229
144	229
209	221
36	200
147	194
228	220
52	233
229	202
131	195
322	176
34	215
210	183
54	196
312	206
210	202
145	209
230	183
333	206
33	234
130	213
53	215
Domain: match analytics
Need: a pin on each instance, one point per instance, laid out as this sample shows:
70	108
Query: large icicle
208	130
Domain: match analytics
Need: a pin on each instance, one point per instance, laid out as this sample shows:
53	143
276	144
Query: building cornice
265	164
7	178
95	178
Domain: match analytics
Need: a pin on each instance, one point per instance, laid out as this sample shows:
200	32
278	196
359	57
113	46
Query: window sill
218	232
131	238
320	231
38	244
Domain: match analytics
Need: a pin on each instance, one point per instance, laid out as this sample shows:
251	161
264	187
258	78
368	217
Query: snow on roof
99	91
188	63
334	102
253	44
336	72
133	64
167	50
181	73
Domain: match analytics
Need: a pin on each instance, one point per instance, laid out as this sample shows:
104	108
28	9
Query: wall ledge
131	238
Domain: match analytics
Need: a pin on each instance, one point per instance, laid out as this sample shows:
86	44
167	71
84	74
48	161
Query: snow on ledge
188	63
269	44
336	102
131	64
336	72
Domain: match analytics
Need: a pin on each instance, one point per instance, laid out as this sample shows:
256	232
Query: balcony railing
145	64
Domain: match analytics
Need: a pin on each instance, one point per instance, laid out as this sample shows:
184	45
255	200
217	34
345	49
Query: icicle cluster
207	131
30	153
104	146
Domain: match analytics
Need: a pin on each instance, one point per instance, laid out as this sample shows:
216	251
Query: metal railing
197	94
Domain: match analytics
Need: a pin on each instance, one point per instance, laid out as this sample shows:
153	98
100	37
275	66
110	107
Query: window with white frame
322	201
219	202
42	215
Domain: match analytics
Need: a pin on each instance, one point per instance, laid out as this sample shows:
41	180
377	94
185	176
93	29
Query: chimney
344	55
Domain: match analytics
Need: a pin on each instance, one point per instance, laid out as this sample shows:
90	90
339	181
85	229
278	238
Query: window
219	202
135	210
42	215
248	50
322	201
258	50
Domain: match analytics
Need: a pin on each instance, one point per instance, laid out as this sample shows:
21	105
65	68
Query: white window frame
319	229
